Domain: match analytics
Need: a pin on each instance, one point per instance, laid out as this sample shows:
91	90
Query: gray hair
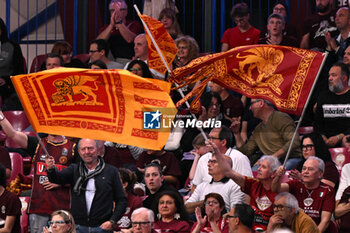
291	201
320	162
142	210
96	143
273	162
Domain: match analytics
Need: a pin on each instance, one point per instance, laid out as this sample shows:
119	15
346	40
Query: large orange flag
164	41
113	105
280	74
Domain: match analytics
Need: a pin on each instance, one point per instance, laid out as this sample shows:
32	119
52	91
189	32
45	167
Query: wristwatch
2	117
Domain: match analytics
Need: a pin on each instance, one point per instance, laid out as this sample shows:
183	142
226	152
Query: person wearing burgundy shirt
315	198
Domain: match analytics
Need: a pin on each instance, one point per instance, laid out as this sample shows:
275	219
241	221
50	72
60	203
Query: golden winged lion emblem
265	61
74	85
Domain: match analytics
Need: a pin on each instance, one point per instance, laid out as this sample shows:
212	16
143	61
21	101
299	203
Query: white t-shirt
230	192
240	164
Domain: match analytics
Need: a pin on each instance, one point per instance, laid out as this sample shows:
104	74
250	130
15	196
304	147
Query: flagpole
167	67
304	109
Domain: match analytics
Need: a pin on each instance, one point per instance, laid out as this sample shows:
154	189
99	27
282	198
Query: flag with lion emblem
280	74
98	104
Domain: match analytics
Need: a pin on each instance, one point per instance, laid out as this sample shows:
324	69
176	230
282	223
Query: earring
177	216
159	216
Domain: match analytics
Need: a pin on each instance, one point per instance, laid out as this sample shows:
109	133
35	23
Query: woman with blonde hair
61	221
168	18
188	50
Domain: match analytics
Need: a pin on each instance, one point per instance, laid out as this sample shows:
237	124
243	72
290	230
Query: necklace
308	201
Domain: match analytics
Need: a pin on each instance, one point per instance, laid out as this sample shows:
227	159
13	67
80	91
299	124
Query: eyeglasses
255	101
123	9
135	69
58	222
279	9
212	138
93	51
211	202
182	47
141	224
212	161
279	207
307	147
231	216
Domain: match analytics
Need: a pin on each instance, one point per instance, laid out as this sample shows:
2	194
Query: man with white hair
142	220
315	198
289	215
259	189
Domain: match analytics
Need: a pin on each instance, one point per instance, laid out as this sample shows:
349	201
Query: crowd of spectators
232	182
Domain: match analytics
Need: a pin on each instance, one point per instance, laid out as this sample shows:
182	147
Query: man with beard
316	25
332	118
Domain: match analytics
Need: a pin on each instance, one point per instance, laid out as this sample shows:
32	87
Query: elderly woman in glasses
61	222
312	144
170	212
188	50
213	221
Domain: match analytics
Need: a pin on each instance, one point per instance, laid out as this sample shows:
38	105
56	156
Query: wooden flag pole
304	109
167	67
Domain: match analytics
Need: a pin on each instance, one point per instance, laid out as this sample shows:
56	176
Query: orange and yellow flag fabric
283	75
164	41
111	105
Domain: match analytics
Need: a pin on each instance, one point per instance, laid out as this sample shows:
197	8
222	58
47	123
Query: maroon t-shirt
46	201
118	45
261	201
112	156
168	162
173	226
10	205
206	228
314	201
232	106
134	202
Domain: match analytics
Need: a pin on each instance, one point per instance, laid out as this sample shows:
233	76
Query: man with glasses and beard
332	118
316	25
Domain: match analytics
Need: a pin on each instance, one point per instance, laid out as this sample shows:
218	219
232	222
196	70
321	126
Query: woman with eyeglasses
312	144
170	212
188	50
61	222
139	68
213	221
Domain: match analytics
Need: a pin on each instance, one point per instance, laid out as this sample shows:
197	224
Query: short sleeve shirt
313	202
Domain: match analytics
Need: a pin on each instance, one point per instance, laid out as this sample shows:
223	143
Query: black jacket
108	190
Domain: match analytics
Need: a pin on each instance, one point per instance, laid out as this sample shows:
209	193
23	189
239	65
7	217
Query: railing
37	24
